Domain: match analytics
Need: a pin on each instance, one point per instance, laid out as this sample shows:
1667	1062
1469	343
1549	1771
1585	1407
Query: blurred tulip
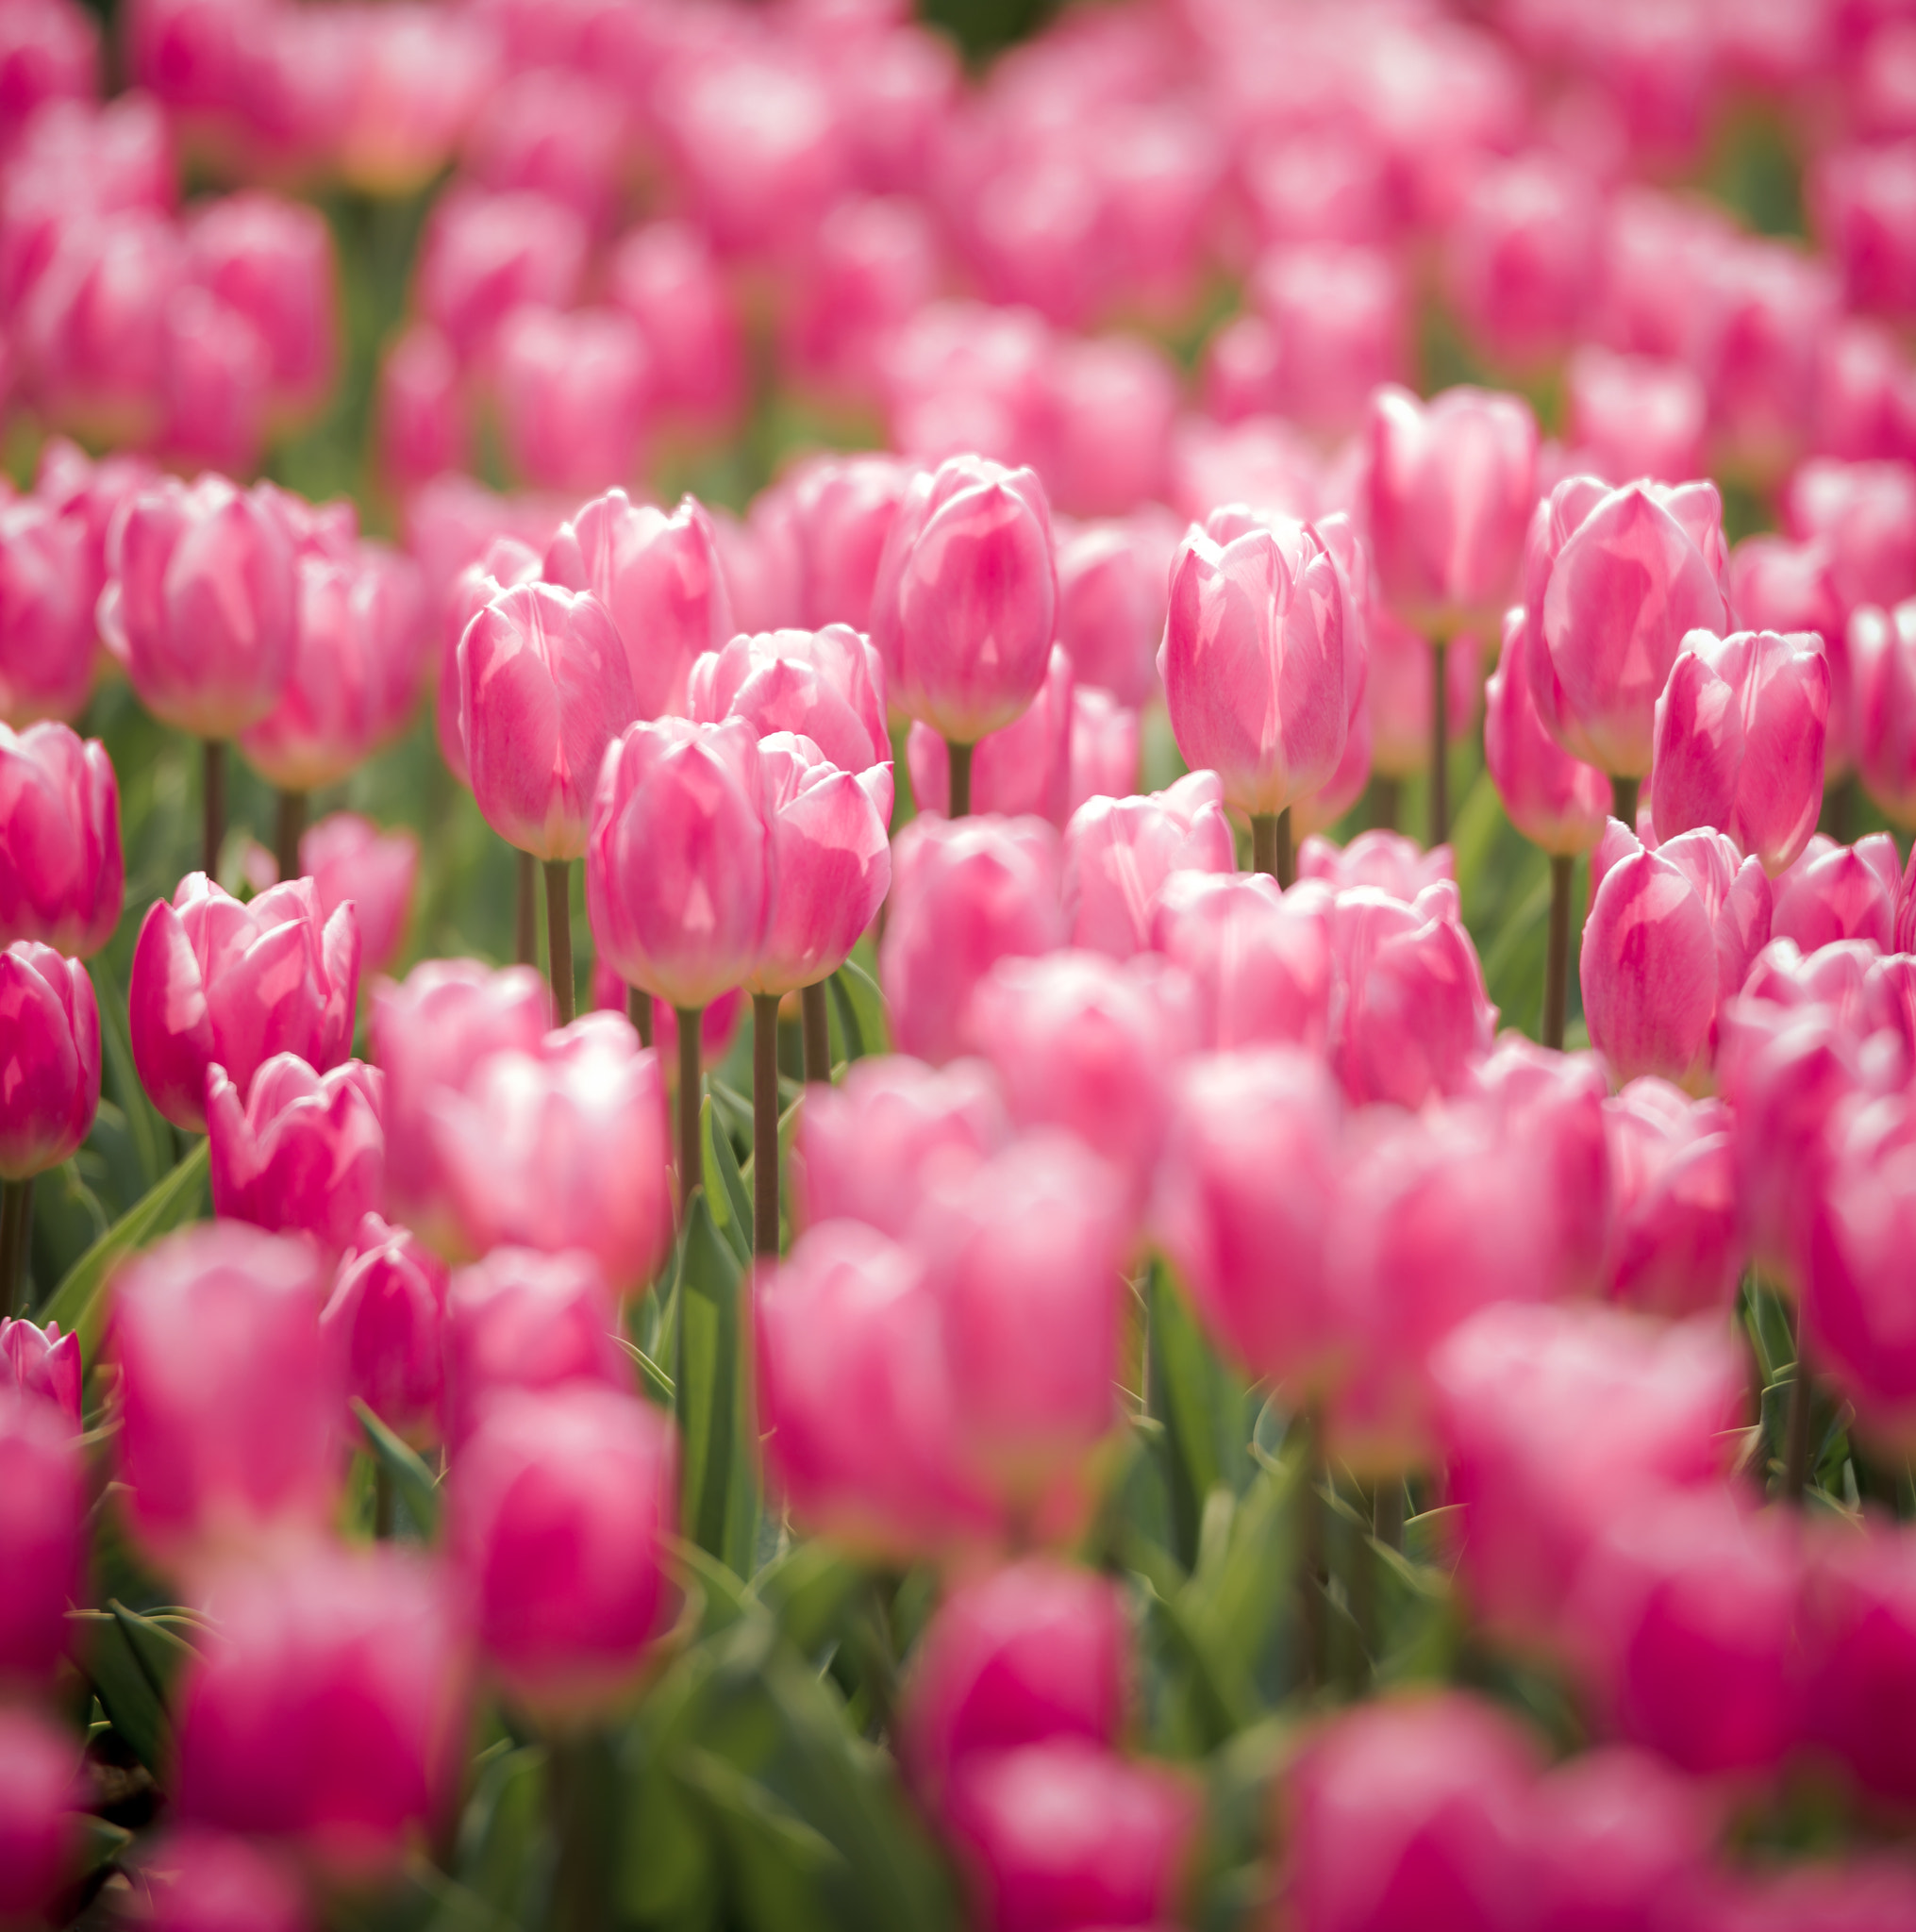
348	857
561	133
1339	315
1839	893
1113	401
1859	1640
1632	416
573	388
216	983
197	1880
874	264
1024	769
1880	650
1111	600
271	261
1519	260
1106	748
42	1363
215	379
563	1511
826	685
231	1398
1865	513
423	412
62	877
664	276
842	509
43	1538
385	1316
1261	961
48	652
49	1058
964	896
1861	199
1119	853
483	255
1674	1248
1399	686
1385	861
40	1812
1556	801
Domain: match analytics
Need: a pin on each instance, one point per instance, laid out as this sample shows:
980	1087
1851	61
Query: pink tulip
1881	652
826	685
1669	938
50	52
1262	461
1246	1204
1739	743
211	1881
385	1317
215	375
842	509
1063	1833
1262	669
563	1511
1024	769
42	1537
348	857
1866	514
1106	748
965	599
1449	489
62	877
42	1364
328	1706
49	1058
1862	198
560	133
1839	893
1556	1421
1556	801
1114	400
271	261
201	604
41	1807
873	265
1399	687
544	688
216	983
1865	403
1519	259
1633	416
964	895
1034	1651
1673	1246
660	578
304	1153
664	276
1120	853
573	389
1112	579
1682	1618
520	1320
1410	1812
231	1399
1385	861
505	564
47	636
1262	962
1859	1636
1339	317
1615	581
483	255
424	430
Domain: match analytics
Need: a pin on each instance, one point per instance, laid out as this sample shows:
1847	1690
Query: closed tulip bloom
842	509
1399	685
1866	515
423	410
1627	575
1025	768
1385	861
1636	416
1519	259
1669	938
1450	486
1881	652
198	1880
216	983
503	564
328	1706
303	1154
42	1537
544	688
573	388
1033	1652
1064	1833
965	600
1339	316
271	260
1119	853
665	276
1839	892
1408	1812
1261	671
201	604
49	1058
964	895
62	876
1107	745
42	1364
483	255
386	1316
1111	580
230	1396
42	1801
348	857
1859	1653
826	685
1556	801
1739	743
1262	962
48	648
660	578
1674	1247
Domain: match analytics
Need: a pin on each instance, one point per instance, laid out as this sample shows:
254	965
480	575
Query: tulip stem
16	1223
1796	1451
959	756
1440	744
638	1011
1624	800
289	832
765	1124
213	807
1387	801
1313	1626
1387	1513
1271	848
690	1166
526	926
818	1034
382	1501
558	938
1557	968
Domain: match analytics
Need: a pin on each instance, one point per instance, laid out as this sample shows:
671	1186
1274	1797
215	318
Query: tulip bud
1859	1640
47	632
1881	650
562	1509
1835	892
197	1880
62	877
200	605
826	685
1556	801
1636	416
49	1058
42	1532
422	411
964	895
660	579
1340	314
357	1654
216	983
1262	962
1865	513
1120	854
504	565
1112	579
965	599
348	857
271	261
484	255
385	1318
1674	1248
1519	257
42	1364
1025	769
573	389
1385	861
230	1397
842	509
42	1802
664	276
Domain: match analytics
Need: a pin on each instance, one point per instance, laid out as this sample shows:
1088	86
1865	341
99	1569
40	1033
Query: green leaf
779	1860
130	1661
144	1128
657	1384
808	1589
861	1011
77	1304
412	1482
711	1396
1203	1407
101	1842
729	1203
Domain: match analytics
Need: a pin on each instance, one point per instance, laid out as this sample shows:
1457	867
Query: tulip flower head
1121	852
1881	654
386	1314
62	876
49	1058
1833	893
195	1878
42	1802
1024	770
348	857
1674	1247
826	685
49	638
1557	802
42	1363
43	1535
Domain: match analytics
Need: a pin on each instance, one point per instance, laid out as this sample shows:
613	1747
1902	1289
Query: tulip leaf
729	1203
1204	1409
710	1394
130	1661
144	1127
861	1011
655	1382
412	1482
79	1304
101	1842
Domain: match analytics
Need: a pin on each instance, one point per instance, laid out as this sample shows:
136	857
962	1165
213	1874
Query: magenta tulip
966	598
1120	853
348	857
43	1536
660	578
326	1707
964	896
48	638
483	255
1674	1248
42	1802
1881	652
1839	892
563	1511
1669	938
385	1316
49	1058
42	1363
272	262
826	685
198	1880
215	375
1556	801
231	1396
573	387
216	983
1859	1636
201	604
1112	579
1262	962
62	876
503	564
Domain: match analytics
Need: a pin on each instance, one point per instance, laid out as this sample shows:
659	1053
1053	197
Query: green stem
959	756
1624	800
691	1165
1557	966
558	938
1440	744
213	807
1264	844
1797	1455
818	1034
581	1781
1315	1626
525	913
288	831
382	1501
1387	803
16	1223
638	1011
765	1124
1387	1517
